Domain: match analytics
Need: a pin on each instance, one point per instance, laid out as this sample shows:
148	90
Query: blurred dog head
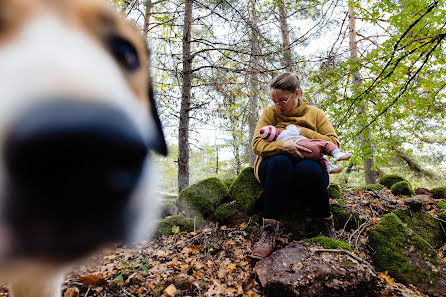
77	119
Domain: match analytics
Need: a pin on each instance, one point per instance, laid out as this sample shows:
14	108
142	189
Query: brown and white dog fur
59	58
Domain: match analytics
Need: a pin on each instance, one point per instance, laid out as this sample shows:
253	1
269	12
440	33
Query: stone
414	204
245	189
372	187
389	180
334	191
407	256
304	270
345	218
439	192
423	191
164	227
402	188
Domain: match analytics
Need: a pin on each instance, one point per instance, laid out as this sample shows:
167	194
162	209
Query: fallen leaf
385	277
90	279
170	290
70	292
231	266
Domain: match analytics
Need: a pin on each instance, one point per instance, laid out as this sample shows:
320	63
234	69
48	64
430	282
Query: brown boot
267	241
325	227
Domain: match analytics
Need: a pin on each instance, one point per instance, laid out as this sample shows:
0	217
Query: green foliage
439	193
334	191
390	179
203	196
345	218
424	225
402	188
390	244
224	212
245	189
372	187
441	204
176	223
329	243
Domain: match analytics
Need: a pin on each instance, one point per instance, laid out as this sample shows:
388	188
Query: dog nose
74	143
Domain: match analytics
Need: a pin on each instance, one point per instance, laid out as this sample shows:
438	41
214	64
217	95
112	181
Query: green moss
442	215
424	225
329	243
389	180
390	245
341	217
439	193
166	205
164	227
228	181
245	189
203	196
223	213
402	188
341	202
441	205
372	187
334	191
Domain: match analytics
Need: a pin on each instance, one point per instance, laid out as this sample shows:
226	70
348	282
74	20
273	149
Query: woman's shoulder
269	110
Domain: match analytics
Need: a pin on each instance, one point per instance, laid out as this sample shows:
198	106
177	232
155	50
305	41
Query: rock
414	204
224	212
166	207
372	187
402	188
406	256
423	191
334	191
228	181
439	193
441	205
442	216
344	218
203	197
245	189
329	243
303	270
389	180
164	227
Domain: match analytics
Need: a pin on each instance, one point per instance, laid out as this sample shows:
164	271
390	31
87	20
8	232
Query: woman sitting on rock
280	167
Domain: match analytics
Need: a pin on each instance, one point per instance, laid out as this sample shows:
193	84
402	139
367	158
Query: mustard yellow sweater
314	124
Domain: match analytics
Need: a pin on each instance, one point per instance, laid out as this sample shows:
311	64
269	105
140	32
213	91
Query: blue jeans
285	179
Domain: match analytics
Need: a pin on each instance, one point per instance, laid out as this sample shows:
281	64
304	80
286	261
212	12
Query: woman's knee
276	166
311	169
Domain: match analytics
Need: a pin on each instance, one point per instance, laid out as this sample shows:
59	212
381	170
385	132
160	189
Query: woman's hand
293	149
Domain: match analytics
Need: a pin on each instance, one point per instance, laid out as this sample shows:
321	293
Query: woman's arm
324	129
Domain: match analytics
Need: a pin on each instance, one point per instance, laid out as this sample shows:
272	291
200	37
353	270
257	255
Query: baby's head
269	133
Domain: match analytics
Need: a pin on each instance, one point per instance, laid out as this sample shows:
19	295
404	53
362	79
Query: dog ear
159	143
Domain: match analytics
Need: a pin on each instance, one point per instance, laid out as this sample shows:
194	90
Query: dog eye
124	52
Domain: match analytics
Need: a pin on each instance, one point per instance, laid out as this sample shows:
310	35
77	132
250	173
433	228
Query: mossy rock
390	179
228	181
441	205
204	196
164	227
329	243
166	205
345	218
423	224
224	212
405	255
442	216
245	189
372	187
439	193
402	188
334	192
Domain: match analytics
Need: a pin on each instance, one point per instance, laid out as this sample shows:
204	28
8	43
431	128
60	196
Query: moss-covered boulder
166	206
224	212
442	217
372	187
423	224
334	191
245	189
344	218
164	227
441	205
329	243
406	256
402	188
228	181
389	180
439	193
203	197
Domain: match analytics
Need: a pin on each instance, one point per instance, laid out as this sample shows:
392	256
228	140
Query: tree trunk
365	137
285	37
183	129
147	15
253	78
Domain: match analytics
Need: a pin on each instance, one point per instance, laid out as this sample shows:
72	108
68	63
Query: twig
86	294
128	293
343	252
345	225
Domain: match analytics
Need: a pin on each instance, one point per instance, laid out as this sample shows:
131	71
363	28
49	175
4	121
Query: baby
318	147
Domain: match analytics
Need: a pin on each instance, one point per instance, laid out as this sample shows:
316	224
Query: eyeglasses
283	102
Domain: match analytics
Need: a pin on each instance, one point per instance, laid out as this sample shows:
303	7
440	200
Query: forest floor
213	261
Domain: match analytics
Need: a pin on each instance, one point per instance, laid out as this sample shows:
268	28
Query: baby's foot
341	156
332	168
